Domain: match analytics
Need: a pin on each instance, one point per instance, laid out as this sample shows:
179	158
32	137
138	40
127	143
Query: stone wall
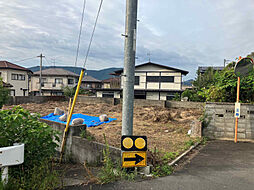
222	121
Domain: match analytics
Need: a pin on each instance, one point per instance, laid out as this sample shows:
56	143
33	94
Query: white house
152	81
17	76
53	81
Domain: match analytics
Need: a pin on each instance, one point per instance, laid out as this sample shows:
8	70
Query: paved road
219	165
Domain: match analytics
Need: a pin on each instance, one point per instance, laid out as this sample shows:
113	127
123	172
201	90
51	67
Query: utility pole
41	56
129	66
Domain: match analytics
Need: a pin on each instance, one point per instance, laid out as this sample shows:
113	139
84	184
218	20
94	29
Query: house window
18	77
167	78
58	81
108	94
70	81
136	80
160	79
153	79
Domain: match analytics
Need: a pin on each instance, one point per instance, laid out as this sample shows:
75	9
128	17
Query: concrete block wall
222	121
80	149
143	102
91	151
95	100
15	100
183	104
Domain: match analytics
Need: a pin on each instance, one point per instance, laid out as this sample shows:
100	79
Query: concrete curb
183	154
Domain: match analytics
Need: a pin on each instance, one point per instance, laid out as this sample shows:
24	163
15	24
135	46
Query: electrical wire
91	39
24	59
47	60
80	31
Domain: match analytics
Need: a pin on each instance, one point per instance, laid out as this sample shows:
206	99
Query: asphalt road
219	165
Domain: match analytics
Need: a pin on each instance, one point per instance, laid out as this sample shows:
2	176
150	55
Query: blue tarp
90	121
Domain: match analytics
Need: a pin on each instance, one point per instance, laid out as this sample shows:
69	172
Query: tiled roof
111	80
8	65
56	72
90	79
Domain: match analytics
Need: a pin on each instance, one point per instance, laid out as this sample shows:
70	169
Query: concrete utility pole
41	56
129	66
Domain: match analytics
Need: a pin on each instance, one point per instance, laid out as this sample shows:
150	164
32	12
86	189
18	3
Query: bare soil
166	129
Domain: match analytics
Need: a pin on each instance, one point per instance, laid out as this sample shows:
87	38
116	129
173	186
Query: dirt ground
166	129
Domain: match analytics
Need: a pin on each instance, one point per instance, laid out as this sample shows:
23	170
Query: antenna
149	56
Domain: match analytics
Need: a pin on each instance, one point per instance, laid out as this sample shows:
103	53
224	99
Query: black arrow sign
137	159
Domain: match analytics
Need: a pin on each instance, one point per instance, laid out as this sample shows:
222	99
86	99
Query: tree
4	94
221	86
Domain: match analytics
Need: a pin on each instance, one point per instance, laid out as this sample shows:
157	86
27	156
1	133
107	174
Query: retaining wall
95	100
80	149
15	100
222	121
143	102
182	104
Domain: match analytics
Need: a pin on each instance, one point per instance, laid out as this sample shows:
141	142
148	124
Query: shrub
4	94
19	126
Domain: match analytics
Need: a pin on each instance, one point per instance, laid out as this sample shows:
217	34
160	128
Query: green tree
221	86
19	126
4	94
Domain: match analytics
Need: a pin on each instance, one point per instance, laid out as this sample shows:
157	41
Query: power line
47	60
80	31
24	59
90	43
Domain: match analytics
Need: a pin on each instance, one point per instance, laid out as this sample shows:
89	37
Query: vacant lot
166	129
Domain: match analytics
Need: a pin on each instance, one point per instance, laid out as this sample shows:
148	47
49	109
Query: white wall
50	80
18	85
151	70
117	95
99	94
152	95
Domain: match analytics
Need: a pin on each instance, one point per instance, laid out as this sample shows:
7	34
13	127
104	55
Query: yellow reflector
127	142
140	143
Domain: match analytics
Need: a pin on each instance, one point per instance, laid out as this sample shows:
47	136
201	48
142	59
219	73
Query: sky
183	34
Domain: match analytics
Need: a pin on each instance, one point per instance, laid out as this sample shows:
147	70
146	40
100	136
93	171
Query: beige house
16	76
152	81
53	81
89	82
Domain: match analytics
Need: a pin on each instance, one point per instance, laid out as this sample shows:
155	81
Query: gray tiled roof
56	72
90	79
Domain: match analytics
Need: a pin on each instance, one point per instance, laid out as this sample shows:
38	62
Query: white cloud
181	33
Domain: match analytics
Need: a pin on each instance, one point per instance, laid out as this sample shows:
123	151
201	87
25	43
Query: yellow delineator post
70	114
237	101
